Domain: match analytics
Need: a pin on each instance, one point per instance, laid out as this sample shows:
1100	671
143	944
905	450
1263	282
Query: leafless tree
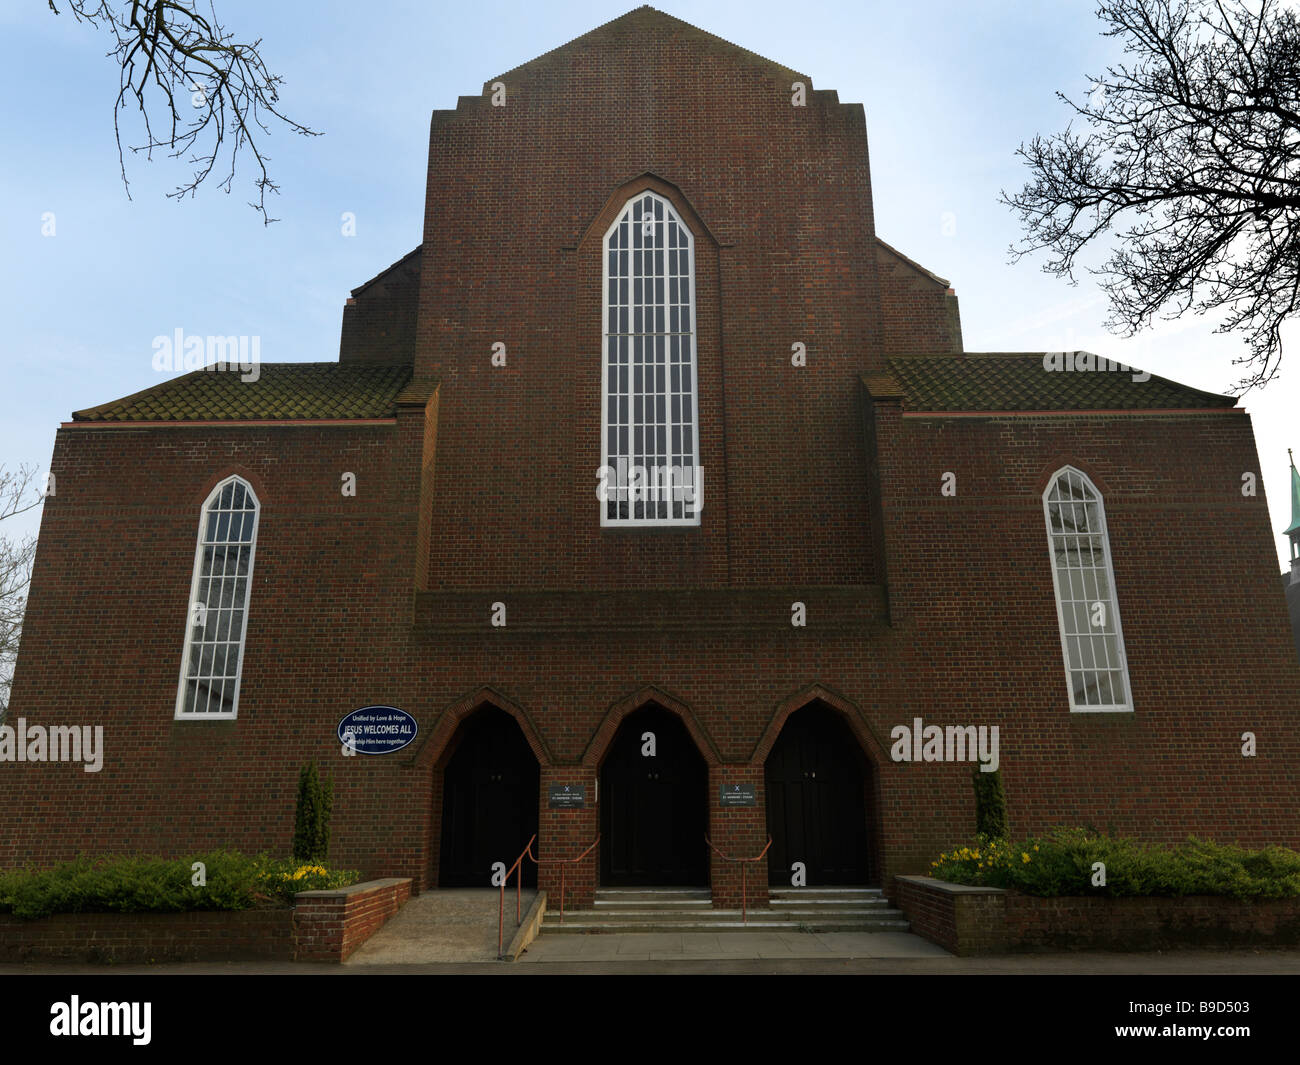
1193	145
17	496
176	61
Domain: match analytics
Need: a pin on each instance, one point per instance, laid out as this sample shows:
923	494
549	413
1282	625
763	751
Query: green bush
163	885
1061	863
990	805
311	824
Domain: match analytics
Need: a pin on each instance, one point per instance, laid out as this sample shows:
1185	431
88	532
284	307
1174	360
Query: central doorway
816	781
653	806
489	801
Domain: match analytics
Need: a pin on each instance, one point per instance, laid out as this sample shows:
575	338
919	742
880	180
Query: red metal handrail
744	870
519	886
562	862
519	880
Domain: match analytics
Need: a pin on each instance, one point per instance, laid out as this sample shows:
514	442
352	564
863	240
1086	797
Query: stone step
673	898
830	904
825	909
582	923
694	914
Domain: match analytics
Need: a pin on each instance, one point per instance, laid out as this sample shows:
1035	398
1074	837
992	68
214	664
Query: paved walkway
461	926
728	946
1201	963
451	925
455	931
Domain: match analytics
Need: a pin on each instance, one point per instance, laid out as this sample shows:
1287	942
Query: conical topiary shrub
990	805
311	826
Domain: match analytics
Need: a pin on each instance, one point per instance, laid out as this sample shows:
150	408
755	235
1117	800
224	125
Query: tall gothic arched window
1091	639
218	607
649	416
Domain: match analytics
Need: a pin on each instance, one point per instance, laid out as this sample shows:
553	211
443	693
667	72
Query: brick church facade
650	248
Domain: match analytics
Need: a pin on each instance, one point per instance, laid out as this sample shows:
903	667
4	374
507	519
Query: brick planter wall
149	937
961	919
323	926
971	920
330	924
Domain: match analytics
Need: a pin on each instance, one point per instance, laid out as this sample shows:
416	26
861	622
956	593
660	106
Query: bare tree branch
1190	163
167	51
17	496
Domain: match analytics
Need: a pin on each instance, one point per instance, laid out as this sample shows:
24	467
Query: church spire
1293	530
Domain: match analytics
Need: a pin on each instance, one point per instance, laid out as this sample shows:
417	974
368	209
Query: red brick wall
488	495
379	319
780	199
322	926
919	314
1149	923
328	925
148	937
1204	628
105	628
969	921
960	919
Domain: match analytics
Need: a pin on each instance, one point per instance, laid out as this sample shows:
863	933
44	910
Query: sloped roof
646	20
943	281
1019	381
405	260
283	391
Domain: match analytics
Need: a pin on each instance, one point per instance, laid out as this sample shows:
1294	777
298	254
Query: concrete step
722	921
789	913
829	909
869	901
668	899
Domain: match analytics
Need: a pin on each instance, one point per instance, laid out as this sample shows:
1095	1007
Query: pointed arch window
649	415
1092	641
218	606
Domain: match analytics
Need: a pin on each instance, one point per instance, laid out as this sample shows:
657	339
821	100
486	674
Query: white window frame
213	497
624	214
1104	533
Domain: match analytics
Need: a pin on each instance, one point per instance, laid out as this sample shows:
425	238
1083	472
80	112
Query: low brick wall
323	926
149	937
969	920
961	919
1072	923
330	924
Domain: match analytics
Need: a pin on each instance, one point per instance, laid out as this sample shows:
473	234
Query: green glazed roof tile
282	391
1025	381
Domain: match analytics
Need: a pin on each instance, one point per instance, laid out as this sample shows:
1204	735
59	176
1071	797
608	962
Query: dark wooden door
816	801
653	809
489	801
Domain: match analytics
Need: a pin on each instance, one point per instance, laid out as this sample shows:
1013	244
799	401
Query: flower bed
323	924
1070	862
1073	889
219	880
982	920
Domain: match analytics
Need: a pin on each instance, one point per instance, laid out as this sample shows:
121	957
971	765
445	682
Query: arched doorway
489	800
653	807
817	779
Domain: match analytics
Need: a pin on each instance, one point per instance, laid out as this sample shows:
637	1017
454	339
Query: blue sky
950	91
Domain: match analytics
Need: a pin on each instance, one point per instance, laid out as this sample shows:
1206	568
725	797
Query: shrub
990	804
311	825
163	885
1061	863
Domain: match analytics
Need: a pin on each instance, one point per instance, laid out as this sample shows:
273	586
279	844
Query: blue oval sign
377	730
